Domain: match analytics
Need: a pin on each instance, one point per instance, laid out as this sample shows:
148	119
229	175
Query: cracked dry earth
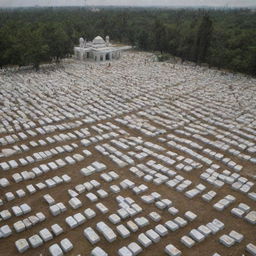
137	158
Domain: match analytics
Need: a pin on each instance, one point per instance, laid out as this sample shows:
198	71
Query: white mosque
98	50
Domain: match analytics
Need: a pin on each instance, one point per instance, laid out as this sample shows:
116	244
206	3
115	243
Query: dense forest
222	38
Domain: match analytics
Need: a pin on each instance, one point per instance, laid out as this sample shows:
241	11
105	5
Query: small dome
98	40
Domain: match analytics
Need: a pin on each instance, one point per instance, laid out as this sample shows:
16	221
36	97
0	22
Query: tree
131	36
172	39
252	60
160	38
39	51
143	40
203	39
3	48
59	44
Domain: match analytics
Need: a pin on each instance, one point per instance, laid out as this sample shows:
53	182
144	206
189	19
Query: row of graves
136	158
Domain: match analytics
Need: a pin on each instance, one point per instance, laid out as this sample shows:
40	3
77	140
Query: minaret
81	42
107	40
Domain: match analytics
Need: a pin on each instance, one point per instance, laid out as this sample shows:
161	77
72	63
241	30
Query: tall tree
252	60
37	50
160	36
60	45
203	39
143	40
3	48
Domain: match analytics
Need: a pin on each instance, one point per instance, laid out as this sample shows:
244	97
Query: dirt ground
204	211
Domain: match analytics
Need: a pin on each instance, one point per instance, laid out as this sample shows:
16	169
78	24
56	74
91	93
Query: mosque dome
98	40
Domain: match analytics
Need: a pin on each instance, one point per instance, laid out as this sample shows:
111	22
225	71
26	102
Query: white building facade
98	50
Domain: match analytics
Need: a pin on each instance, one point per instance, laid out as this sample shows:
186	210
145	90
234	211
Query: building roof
98	40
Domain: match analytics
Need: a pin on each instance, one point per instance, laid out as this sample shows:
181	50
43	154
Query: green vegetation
221	38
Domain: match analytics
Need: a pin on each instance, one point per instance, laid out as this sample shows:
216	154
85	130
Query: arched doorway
108	56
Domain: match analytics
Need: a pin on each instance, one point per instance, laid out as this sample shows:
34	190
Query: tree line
222	38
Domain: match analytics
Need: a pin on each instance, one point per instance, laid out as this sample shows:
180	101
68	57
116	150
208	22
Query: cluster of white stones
135	158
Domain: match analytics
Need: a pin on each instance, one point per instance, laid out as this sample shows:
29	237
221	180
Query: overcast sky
212	3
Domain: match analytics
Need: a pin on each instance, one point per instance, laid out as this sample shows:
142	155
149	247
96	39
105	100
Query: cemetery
134	158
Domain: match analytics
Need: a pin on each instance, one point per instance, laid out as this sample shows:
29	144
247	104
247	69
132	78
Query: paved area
133	158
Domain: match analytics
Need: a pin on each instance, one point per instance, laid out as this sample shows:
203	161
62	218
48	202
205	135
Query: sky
210	3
